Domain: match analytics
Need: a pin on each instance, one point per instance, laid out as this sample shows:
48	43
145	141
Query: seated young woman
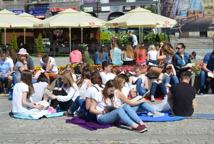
65	92
22	92
121	99
102	106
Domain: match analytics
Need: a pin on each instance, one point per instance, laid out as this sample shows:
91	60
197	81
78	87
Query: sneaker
168	85
140	129
158	114
152	99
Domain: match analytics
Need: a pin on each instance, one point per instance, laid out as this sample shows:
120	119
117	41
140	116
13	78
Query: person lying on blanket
181	100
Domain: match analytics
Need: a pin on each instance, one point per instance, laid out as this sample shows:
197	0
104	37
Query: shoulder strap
96	88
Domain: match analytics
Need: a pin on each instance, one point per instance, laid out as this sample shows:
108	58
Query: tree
14	43
40	47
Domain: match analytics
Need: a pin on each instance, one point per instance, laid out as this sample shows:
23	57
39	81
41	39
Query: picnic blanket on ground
31	117
86	124
202	116
166	118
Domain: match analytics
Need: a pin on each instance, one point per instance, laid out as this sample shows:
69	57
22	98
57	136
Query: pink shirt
75	56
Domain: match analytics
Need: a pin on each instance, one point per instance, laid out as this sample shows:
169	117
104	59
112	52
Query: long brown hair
129	51
118	82
26	77
108	85
69	79
167	49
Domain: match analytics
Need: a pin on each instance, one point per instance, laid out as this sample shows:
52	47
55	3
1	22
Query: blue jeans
140	90
172	79
163	106
4	80
203	82
155	87
125	113
76	104
144	107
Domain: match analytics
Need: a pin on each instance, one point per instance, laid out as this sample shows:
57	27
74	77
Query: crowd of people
103	95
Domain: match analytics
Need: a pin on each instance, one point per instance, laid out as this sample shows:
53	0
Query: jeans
155	86
76	104
4	80
163	106
125	113
203	77
173	79
140	90
144	107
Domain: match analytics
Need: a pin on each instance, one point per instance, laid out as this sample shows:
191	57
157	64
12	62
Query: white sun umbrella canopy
140	17
73	19
9	20
37	22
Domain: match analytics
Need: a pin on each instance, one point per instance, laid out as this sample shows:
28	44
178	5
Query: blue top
116	56
99	60
4	67
179	61
209	60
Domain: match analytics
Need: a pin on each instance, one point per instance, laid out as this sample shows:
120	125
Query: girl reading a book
106	112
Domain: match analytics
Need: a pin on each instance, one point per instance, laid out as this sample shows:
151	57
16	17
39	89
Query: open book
210	75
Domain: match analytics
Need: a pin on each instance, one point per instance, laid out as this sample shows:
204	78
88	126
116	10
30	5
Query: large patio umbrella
36	22
140	18
73	19
9	20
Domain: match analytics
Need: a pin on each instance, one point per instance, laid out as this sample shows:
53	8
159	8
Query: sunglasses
177	48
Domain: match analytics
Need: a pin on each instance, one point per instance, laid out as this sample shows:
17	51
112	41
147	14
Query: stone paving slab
56	131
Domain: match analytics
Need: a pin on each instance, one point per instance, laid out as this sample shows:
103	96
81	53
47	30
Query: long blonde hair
167	49
129	51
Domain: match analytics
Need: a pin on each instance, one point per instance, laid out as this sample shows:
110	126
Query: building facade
104	9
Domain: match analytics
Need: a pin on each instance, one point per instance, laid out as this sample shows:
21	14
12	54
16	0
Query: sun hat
22	51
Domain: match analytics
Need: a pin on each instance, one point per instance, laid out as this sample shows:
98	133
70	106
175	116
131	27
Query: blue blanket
166	118
29	117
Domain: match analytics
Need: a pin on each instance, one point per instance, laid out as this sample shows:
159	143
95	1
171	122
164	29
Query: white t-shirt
152	54
83	88
134	40
126	89
73	93
18	90
142	76
39	89
52	63
10	61
107	76
95	92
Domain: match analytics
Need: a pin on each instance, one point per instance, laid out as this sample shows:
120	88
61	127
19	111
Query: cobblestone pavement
56	131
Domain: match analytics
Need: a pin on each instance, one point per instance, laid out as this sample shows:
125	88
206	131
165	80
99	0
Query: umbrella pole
81	35
5	35
24	36
70	38
139	34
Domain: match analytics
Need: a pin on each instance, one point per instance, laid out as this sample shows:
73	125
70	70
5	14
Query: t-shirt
4	68
134	40
75	56
95	92
209	61
10	61
183	95
18	90
153	55
39	89
107	76
52	63
17	71
116	56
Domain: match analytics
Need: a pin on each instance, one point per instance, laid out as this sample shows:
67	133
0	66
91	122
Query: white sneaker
158	114
152	99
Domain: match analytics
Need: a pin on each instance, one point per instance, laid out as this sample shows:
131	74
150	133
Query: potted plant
40	48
